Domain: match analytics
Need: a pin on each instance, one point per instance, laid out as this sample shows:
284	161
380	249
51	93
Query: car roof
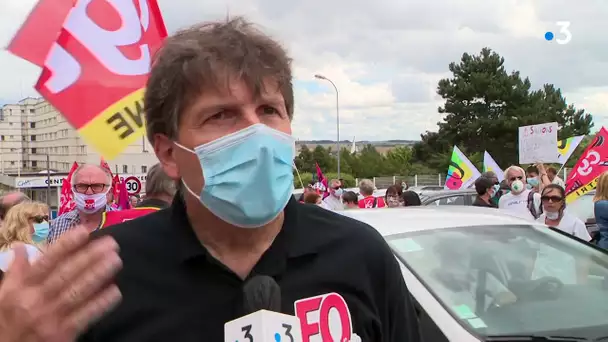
432	195
452	192
389	221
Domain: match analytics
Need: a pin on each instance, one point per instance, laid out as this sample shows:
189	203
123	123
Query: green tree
398	160
304	160
370	163
323	157
347	160
484	107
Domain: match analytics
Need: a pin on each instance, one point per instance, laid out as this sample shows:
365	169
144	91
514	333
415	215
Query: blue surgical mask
338	192
41	231
533	181
496	188
256	161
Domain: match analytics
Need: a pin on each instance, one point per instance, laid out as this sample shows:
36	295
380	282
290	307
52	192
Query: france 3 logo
565	36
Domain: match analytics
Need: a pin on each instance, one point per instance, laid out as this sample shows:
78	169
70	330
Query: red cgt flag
66	203
589	167
40	30
95	71
103	163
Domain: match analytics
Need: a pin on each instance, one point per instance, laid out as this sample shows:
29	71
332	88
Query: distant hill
381	146
358	142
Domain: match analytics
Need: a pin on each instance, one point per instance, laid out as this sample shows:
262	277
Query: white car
479	275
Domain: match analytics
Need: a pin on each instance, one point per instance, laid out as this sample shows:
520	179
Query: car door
429	331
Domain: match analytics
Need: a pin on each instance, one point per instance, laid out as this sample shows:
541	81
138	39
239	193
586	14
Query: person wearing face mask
520	201
491	175
485	192
334	200
532	178
91	185
219	109
537	177
26	223
393	196
555	215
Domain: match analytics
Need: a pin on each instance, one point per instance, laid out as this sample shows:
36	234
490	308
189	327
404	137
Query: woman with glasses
26	223
553	198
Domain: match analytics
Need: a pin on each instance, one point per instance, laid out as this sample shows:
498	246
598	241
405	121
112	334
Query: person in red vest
366	189
160	190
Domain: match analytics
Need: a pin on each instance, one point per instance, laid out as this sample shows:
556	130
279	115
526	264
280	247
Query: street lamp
321	77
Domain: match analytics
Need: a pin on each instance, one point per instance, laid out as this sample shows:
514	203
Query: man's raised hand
60	294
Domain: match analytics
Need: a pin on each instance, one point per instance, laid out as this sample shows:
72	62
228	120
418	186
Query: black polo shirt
173	290
479	202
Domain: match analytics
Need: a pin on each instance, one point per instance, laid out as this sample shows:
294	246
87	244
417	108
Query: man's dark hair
5	206
209	56
411	198
482	184
350	197
489	174
532	169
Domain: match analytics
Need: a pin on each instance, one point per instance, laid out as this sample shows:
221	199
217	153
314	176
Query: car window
452	200
582	208
511	279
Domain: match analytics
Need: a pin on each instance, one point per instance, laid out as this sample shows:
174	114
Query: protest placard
538	143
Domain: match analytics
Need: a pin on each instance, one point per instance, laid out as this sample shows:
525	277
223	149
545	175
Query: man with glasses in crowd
90	186
334	200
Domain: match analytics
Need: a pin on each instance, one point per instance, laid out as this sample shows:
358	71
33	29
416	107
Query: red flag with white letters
40	30
95	70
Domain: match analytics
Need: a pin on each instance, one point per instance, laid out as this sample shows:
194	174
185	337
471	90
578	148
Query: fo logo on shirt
325	318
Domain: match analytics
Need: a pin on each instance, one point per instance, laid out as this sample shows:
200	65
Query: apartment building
32	129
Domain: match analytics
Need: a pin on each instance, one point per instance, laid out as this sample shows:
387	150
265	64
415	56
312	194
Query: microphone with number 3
263	322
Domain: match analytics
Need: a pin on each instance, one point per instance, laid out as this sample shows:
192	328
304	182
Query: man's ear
164	148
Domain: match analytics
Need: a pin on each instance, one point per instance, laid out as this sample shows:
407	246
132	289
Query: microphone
263	320
261	293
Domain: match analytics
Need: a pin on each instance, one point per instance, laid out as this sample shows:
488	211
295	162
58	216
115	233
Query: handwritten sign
538	143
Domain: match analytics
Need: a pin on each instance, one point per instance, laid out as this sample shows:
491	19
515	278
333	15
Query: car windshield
582	208
511	280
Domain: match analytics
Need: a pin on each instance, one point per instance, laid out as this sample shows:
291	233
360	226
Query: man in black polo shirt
485	191
219	105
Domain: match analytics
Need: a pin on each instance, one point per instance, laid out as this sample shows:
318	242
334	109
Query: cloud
387	56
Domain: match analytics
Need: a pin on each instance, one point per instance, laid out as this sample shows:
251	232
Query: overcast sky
386	56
